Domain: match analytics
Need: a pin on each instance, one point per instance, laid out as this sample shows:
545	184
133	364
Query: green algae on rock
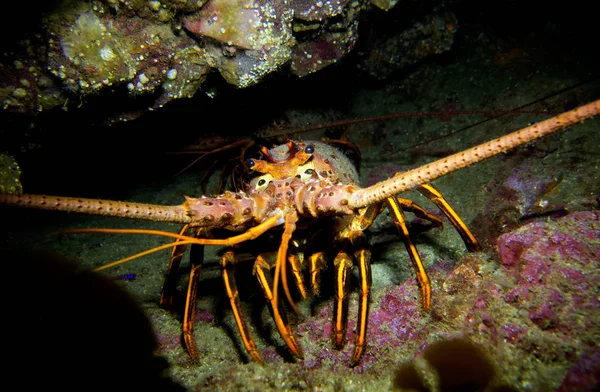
9	175
246	40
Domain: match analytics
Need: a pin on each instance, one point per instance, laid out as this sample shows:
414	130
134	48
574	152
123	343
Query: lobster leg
343	266
409	205
363	258
227	262
296	267
400	221
196	260
437	198
167	293
316	265
262	271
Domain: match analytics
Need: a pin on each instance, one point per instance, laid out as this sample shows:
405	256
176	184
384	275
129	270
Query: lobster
297	186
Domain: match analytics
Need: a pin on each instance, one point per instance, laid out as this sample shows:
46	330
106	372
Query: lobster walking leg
400	222
262	271
168	290
343	266
296	267
354	238
227	262
196	260
363	258
409	205
433	194
317	263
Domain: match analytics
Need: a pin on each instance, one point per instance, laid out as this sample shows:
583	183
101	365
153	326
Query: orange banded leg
437	198
400	221
363	259
227	262
343	267
262	271
289	227
343	264
296	270
409	205
168	290
196	260
316	265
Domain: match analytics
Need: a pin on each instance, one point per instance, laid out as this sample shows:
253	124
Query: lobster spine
316	198
173	214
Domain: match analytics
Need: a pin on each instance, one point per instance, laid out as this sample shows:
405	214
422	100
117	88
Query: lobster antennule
411	179
152	212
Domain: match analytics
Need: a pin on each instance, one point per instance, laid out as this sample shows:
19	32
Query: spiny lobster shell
328	162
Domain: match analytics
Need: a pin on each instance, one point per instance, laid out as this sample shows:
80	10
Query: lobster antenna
411	179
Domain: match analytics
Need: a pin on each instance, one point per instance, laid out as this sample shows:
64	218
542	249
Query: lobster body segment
232	211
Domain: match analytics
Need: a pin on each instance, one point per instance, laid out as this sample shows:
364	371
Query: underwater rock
25	87
233	23
162	11
167	48
310	10
433	35
324	41
246	40
385	5
87	47
186	74
584	376
96	50
9	175
312	56
93	52
521	194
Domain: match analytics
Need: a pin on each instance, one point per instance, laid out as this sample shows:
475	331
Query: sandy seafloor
535	338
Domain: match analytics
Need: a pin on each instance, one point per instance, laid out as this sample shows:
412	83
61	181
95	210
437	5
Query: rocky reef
9	175
166	49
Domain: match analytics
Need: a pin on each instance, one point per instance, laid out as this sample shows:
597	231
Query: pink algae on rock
235	23
540	241
584	376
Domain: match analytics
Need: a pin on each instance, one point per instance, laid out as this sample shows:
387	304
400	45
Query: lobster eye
250	163
261	182
310	149
309	171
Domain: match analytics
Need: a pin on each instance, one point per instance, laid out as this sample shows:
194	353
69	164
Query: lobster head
303	161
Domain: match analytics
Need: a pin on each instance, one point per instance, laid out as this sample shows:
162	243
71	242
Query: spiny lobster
301	184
